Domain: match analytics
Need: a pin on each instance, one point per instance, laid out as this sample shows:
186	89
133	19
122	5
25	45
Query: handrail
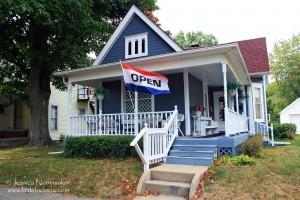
156	141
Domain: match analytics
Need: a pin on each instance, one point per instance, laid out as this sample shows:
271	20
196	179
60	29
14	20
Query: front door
219	114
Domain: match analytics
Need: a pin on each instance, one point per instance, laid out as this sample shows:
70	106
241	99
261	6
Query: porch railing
156	141
115	124
235	122
263	129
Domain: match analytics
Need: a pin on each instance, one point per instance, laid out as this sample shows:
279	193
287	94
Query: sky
232	20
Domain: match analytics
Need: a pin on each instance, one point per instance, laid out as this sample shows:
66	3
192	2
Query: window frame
132	40
50	117
260	87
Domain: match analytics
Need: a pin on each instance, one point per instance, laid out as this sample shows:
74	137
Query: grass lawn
276	175
109	179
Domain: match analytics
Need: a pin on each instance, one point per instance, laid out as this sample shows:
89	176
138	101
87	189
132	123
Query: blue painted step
196	141
203	161
194	147
208	154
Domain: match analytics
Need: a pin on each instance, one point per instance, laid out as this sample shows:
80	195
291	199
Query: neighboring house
16	118
291	114
198	77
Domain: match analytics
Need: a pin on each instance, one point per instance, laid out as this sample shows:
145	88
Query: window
258	101
1	108
136	45
81	111
53	117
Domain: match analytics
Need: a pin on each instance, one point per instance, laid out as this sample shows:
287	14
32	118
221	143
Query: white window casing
258	103
53	117
136	45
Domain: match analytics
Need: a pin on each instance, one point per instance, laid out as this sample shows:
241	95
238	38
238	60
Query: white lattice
144	102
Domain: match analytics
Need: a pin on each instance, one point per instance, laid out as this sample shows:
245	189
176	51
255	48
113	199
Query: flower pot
198	113
100	97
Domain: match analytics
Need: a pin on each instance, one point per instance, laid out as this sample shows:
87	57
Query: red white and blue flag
144	81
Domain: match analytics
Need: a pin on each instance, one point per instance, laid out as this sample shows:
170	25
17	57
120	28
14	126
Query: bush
283	131
99	147
253	146
238	160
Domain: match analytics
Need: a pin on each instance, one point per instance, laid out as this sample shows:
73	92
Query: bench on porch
204	126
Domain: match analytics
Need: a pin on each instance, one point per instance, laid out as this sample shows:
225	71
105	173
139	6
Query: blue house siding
196	95
112	101
167	102
156	45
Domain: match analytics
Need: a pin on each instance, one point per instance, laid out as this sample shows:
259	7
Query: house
291	114
15	118
199	77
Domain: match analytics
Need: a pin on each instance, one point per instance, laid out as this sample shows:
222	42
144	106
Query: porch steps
172	179
193	151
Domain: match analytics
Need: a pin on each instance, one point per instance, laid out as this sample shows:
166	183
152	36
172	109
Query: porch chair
180	119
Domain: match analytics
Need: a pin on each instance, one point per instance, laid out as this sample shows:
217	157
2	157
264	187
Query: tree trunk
39	94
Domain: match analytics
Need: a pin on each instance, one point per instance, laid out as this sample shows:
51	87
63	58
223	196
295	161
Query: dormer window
136	45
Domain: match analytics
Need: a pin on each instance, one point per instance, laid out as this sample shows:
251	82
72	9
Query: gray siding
167	102
156	45
112	101
196	95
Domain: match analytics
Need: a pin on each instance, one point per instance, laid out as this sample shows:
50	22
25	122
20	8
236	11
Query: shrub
253	146
286	130
99	147
238	160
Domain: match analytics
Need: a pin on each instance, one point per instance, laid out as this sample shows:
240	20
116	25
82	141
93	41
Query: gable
156	45
255	55
292	108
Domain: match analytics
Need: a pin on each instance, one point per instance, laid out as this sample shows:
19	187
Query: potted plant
100	92
198	110
232	86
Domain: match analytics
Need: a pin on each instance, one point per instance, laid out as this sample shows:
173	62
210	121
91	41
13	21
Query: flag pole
136	120
135	104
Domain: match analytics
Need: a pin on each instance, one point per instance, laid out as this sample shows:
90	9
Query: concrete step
168	188
194	147
196	141
183	153
172	176
202	161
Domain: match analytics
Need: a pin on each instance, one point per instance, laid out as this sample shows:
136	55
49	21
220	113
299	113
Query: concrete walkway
159	197
11	193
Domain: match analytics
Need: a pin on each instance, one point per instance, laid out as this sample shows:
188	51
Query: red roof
255	55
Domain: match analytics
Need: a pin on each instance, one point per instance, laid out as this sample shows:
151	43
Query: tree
285	69
190	38
42	36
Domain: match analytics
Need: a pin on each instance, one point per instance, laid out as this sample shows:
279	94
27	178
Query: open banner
144	81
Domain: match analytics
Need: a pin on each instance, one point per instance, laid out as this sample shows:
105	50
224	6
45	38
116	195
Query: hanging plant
233	85
100	92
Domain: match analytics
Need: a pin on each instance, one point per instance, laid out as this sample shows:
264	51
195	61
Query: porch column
265	98
224	70
244	101
69	107
136	108
187	103
250	109
237	100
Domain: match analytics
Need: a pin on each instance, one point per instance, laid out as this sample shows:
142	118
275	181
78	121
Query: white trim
187	103
260	86
122	96
265	98
205	51
290	105
133	39
134	10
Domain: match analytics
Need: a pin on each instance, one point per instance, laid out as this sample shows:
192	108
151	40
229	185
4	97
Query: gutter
150	58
